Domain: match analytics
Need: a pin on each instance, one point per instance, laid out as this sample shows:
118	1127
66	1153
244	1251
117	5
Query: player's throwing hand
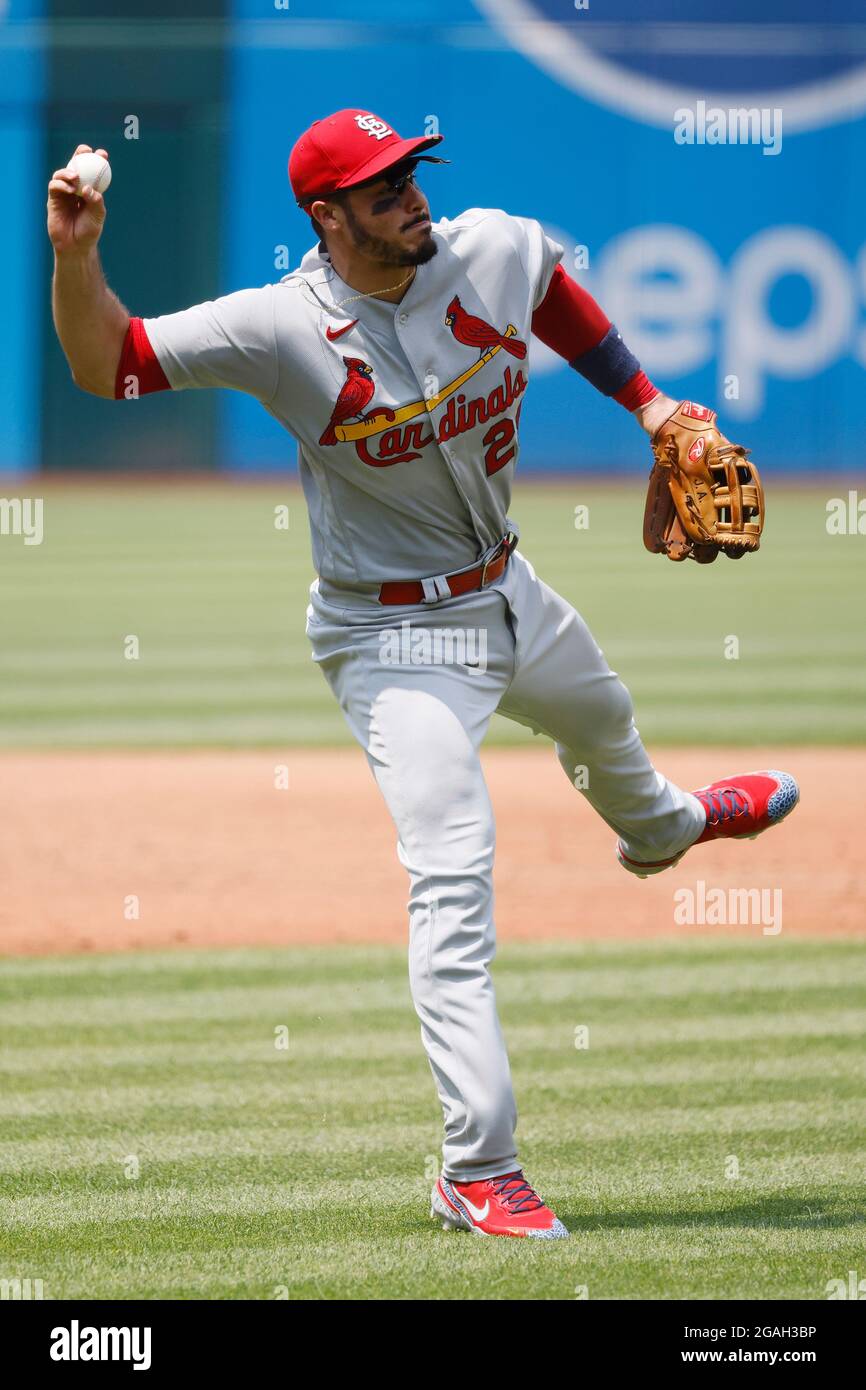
75	218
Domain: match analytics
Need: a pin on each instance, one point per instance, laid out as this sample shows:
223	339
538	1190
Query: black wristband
609	365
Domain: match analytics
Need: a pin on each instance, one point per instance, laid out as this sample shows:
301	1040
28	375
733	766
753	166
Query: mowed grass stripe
693	1169
627	1112
536	972
846	679
542	954
165	688
274	1006
250	730
78	661
543	966
719	1030
257	1155
805	1055
350	1204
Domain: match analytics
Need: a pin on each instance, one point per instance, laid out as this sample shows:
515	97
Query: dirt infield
216	854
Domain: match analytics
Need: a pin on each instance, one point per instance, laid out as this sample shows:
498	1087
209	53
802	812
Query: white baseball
92	169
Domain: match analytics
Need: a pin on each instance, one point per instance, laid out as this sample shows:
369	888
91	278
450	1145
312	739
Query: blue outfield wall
22	232
737	276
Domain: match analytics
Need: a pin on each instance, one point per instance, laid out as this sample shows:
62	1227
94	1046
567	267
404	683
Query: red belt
406	591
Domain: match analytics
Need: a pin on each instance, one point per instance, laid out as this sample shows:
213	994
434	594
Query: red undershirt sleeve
138	361
570	322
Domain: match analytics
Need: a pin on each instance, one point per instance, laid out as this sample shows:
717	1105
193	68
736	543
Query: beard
387	252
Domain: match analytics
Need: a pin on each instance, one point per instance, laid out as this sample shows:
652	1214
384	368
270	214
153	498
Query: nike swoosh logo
477	1213
332	334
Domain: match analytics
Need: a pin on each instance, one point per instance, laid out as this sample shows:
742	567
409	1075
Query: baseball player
396	354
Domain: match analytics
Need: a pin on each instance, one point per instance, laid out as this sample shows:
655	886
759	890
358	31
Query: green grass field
155	1143
216	596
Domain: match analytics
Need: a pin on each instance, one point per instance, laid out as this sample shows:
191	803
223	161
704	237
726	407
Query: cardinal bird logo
355	395
477	333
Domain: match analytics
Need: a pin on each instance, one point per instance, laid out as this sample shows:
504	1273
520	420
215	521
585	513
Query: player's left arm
576	327
565	317
705	497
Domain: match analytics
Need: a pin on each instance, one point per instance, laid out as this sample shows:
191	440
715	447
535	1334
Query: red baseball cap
348	148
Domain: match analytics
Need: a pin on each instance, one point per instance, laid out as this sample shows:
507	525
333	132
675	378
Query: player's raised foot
745	806
740	807
503	1206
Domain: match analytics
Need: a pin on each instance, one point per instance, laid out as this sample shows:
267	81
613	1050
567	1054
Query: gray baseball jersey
407	414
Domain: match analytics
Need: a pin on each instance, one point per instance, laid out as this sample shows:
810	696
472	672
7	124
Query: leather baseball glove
704	495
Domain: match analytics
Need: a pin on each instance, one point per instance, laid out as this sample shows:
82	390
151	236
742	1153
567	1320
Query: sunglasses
396	179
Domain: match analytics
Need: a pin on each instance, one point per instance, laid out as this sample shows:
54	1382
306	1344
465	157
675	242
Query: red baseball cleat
504	1206
738	808
747	805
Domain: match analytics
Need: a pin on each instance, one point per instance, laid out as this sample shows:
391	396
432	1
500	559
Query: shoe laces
515	1193
723	803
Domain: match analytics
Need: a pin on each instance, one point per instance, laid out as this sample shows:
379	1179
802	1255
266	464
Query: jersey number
497	442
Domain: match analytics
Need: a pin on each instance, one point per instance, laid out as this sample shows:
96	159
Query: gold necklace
367	294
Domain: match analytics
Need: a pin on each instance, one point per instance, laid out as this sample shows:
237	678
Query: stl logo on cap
334	153
373	126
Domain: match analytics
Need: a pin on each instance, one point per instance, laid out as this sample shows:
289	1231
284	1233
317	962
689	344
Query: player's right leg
421	727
